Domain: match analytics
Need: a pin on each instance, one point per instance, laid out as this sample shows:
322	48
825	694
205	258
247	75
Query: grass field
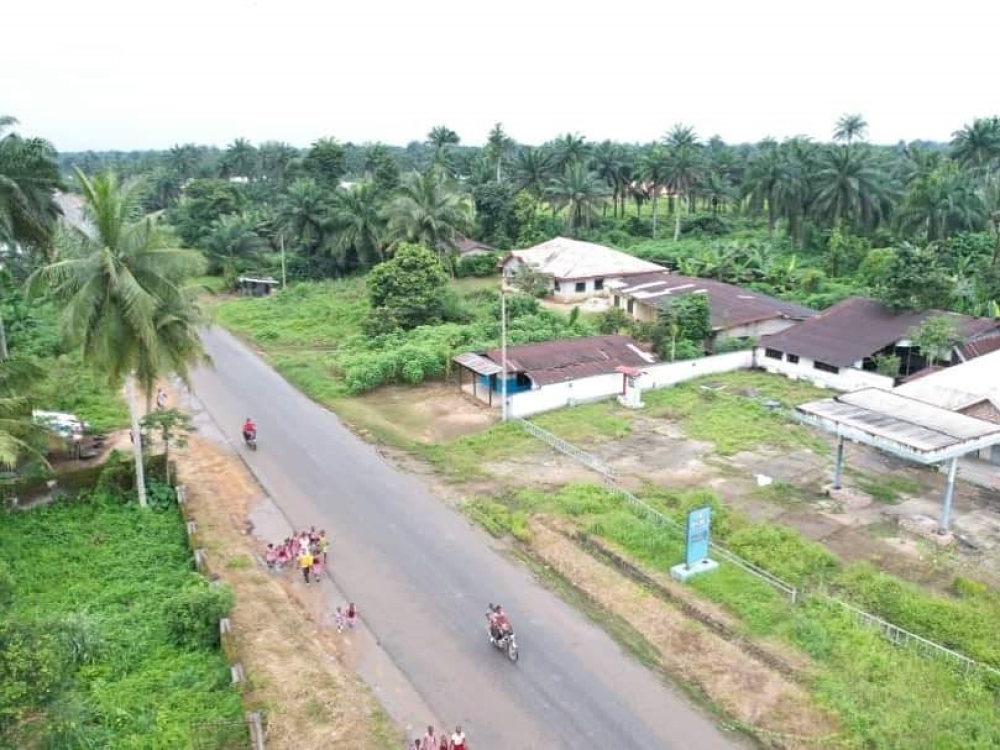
886	696
103	596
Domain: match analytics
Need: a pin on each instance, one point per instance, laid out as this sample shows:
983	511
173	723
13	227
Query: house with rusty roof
840	347
535	366
734	312
576	270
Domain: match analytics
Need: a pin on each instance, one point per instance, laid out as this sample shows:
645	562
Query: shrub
482	265
192	615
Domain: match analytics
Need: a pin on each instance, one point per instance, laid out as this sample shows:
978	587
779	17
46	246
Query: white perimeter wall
599	387
847	379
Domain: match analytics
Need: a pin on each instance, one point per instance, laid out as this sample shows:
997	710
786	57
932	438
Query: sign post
696	560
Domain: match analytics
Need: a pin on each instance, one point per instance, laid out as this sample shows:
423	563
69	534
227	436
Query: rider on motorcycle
499	623
249	430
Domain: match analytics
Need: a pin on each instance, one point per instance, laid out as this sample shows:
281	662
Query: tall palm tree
850	128
653	171
850	188
232	236
241	159
304	213
760	185
533	170
977	146
275	158
428	210
684	167
942	203
121	291
359	226
184	159
580	192
608	161
440	138
498	145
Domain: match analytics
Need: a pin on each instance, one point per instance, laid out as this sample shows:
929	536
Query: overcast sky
129	74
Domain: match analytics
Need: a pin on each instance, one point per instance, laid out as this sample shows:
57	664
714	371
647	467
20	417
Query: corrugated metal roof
859	327
478	364
570	359
563	258
729	305
906	426
960	386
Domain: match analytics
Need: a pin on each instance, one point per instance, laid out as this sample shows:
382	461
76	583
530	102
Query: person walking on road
305	563
430	740
457	739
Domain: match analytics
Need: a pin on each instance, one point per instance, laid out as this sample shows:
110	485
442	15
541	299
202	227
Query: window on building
631	304
825	367
618	301
581	286
793	358
557	287
772	353
598	284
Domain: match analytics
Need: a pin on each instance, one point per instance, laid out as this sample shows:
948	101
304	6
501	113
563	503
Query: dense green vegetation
885	696
107	636
315	334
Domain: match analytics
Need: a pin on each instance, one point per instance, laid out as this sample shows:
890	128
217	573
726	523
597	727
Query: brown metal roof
859	327
466	246
569	359
729	306
977	347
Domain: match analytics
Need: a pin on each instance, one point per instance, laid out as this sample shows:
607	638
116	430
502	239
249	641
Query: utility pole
503	350
140	476
281	241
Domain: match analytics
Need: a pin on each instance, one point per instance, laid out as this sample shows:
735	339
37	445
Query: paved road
422	575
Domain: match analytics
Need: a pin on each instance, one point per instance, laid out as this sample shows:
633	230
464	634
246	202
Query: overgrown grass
886	696
889	488
105	579
728	411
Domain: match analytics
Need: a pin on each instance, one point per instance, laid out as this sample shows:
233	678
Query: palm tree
441	138
608	161
304	212
498	144
684	167
232	236
977	146
427	210
942	203
275	158
850	188
241	159
184	159
849	128
121	292
570	149
653	170
533	170
359	225
29	177
580	192
761	183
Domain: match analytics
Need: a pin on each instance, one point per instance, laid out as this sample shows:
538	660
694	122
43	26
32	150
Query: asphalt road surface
422	576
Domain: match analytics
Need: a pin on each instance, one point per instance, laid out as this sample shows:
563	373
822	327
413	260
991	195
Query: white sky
128	74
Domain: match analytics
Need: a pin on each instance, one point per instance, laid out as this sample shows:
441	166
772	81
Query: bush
192	615
482	265
33	664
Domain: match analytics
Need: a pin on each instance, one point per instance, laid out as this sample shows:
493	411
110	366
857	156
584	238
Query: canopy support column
838	466
949	489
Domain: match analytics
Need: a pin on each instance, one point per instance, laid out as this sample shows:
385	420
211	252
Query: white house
577	270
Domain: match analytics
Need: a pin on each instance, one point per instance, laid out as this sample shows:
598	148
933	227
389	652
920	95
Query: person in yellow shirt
305	563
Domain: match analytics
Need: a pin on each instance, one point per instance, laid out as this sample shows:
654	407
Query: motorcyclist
249	430
499	623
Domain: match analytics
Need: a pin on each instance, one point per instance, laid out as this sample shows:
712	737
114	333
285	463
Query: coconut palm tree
850	128
241	159
498	145
533	170
359	225
580	192
121	291
653	171
304	213
427	210
851	188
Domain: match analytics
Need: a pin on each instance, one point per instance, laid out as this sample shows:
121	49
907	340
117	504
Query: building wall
755	330
584	390
845	379
641	311
566	291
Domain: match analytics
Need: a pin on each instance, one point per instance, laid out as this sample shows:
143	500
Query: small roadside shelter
252	286
903	427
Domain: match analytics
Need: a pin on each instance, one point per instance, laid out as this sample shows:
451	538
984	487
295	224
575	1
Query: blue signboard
698	523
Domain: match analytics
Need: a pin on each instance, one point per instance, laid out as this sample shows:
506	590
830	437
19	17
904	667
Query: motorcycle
250	438
507	642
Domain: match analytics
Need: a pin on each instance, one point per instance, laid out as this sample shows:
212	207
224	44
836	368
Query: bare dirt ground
294	661
774	707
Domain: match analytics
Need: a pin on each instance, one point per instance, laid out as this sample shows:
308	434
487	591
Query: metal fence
587	459
893	633
902	637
